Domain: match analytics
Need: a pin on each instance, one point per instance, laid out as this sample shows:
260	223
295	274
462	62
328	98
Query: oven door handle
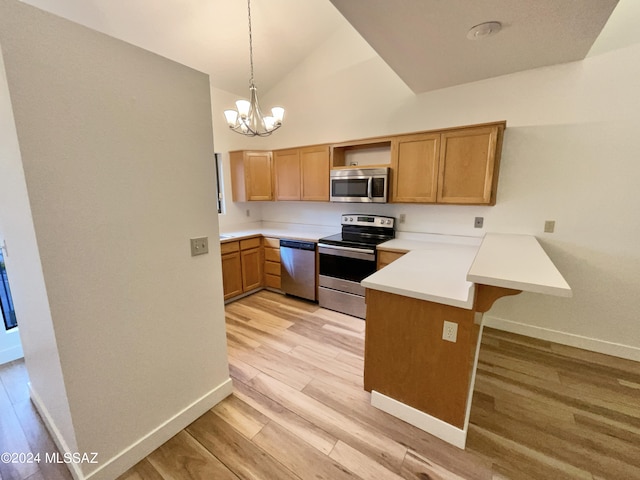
362	253
370	187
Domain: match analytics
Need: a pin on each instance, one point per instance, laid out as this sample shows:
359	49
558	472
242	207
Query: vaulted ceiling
423	41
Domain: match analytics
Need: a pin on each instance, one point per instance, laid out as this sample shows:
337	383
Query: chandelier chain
250	41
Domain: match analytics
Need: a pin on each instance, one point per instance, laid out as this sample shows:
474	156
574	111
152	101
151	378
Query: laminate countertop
445	270
306	233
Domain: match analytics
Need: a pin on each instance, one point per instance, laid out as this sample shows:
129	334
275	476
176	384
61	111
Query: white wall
25	271
117	155
570	154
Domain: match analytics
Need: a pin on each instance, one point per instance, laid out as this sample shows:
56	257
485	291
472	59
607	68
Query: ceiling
429	48
423	41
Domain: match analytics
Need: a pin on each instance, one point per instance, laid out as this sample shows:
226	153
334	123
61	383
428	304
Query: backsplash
443	219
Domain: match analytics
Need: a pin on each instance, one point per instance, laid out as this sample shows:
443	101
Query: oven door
347	263
341	271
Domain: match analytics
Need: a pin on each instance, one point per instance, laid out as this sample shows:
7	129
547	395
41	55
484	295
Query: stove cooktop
362	231
351	241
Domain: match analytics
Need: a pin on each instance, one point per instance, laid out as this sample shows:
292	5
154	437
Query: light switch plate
549	226
199	246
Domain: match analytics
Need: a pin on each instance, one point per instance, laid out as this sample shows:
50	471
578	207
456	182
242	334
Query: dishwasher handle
297	244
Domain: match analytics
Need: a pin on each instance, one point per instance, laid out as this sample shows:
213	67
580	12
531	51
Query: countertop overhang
435	272
446	273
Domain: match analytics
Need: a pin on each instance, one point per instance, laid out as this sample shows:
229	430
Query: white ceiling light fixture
248	119
483	30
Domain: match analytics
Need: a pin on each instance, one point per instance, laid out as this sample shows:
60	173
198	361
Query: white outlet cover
450	331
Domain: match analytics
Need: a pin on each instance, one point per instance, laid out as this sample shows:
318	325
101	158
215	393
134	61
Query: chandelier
247	119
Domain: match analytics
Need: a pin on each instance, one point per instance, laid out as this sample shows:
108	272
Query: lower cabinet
241	266
231	273
271	262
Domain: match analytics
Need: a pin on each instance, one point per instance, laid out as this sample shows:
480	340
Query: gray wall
116	147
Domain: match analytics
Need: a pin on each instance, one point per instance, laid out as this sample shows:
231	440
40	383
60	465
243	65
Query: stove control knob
345	219
351	219
389	221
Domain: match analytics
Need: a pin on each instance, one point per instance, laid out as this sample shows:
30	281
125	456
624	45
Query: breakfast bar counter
424	323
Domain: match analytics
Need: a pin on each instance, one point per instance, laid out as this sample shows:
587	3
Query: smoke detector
483	30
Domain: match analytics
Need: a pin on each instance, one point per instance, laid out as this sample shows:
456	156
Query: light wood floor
540	410
22	430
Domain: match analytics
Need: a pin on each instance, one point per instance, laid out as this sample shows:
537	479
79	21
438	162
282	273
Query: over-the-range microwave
367	185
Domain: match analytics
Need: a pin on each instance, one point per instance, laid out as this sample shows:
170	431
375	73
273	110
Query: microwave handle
370	187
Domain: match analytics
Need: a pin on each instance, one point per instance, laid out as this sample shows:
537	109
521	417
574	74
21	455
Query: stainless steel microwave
367	185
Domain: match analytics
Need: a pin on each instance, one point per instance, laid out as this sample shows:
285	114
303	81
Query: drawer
272	268
271	242
229	247
272	281
272	254
249	243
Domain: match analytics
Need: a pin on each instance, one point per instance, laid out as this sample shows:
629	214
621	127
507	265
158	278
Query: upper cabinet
458	166
414	163
315	173
251	175
302	173
368	152
286	174
452	166
469	164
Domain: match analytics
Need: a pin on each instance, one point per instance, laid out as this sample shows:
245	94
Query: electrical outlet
478	222
549	226
199	246
450	331
402	218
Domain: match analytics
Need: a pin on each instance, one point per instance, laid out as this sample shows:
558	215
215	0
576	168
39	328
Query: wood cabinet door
468	170
238	181
231	275
414	161
258	175
315	173
251	269
286	172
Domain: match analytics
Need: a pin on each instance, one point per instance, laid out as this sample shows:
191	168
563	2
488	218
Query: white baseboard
11	354
57	437
135	452
421	420
592	344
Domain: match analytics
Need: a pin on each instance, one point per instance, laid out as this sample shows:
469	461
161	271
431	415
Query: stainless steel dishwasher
298	268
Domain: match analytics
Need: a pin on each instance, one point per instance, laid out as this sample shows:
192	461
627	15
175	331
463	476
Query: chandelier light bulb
231	116
243	107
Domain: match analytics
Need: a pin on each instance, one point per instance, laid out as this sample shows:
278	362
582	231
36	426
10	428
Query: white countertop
309	233
519	262
435	272
441	268
444	270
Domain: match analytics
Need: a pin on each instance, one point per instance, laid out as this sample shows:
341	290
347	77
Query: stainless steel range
349	257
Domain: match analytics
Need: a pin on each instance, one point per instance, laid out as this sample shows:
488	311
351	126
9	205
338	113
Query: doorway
10	346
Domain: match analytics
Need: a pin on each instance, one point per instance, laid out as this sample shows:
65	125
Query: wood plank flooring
22	430
540	410
298	411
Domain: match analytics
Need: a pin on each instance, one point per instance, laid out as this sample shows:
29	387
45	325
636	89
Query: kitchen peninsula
424	322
